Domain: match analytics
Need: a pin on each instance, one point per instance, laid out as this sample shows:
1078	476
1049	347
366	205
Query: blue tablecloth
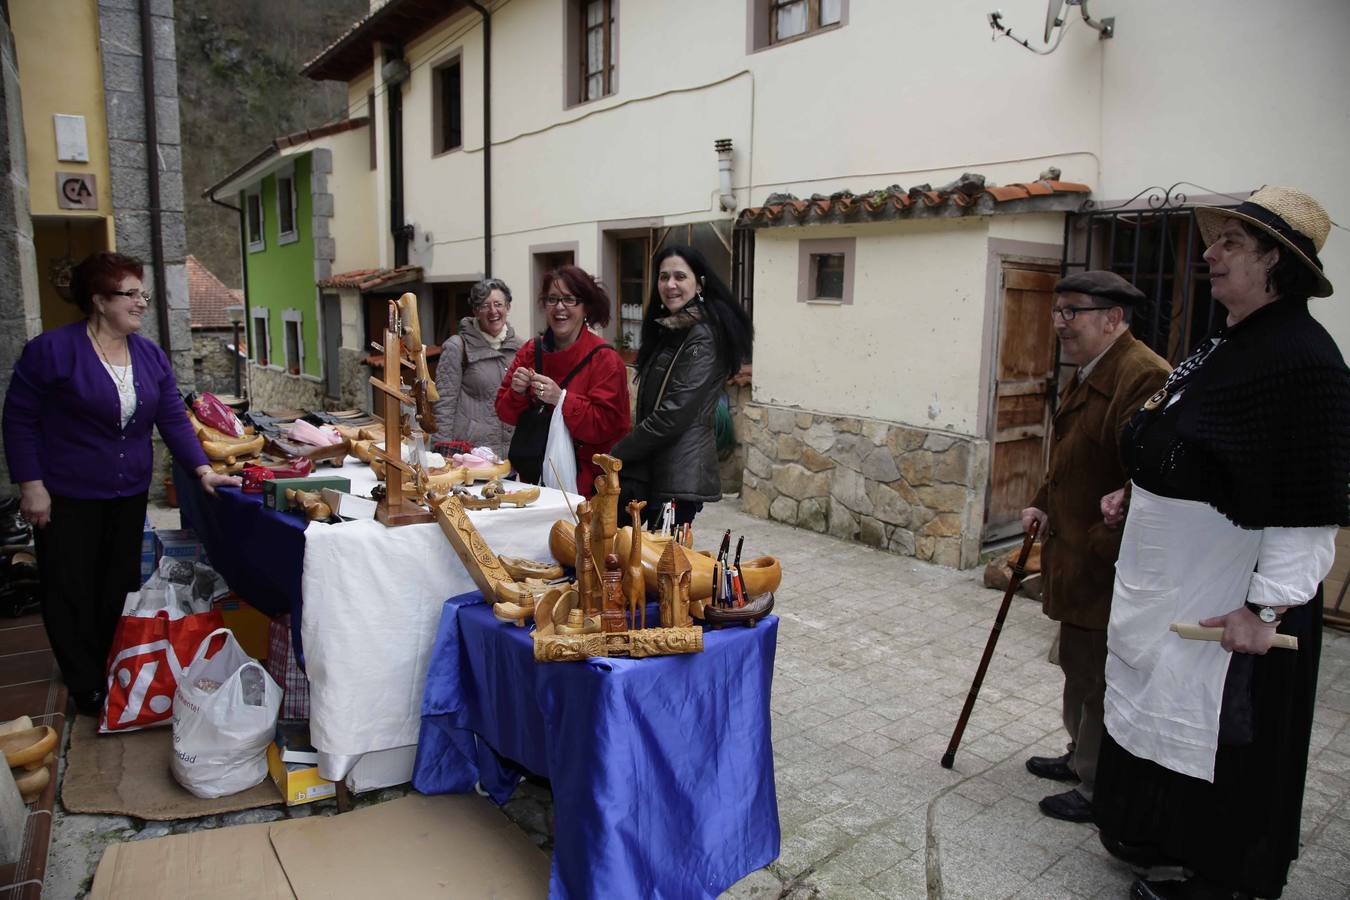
258	551
662	768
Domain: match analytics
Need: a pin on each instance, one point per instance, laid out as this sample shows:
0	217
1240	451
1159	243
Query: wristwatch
1266	614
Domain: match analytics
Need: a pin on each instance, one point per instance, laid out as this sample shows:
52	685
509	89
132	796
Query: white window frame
256	242
298	317
263	313
288	237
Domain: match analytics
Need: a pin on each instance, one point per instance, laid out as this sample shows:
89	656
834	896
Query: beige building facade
604	120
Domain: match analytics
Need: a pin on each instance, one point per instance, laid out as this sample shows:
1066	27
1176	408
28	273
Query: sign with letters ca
76	190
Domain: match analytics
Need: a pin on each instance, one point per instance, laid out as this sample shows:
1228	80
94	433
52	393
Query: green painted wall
281	276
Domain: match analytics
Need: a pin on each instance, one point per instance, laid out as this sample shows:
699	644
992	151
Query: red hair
581	285
99	273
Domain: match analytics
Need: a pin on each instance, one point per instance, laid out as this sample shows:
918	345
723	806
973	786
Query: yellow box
250	627
298	784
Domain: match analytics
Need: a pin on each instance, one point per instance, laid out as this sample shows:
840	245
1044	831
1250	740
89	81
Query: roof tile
208	297
968	195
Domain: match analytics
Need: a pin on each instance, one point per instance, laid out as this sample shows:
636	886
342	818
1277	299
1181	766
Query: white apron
1180	561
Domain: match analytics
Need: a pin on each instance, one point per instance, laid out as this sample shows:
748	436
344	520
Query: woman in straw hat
1239	469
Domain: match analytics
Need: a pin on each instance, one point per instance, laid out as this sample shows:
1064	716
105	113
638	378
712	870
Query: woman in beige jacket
471	368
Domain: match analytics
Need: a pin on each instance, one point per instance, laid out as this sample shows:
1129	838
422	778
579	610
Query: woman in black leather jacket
694	337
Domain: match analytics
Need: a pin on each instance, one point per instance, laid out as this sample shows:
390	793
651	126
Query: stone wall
909	490
732	467
270	389
20	318
213	360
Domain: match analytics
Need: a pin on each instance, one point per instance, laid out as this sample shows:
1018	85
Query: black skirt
1242	831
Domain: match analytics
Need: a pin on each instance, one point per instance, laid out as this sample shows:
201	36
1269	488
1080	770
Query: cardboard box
178	544
274	491
250	627
299	784
349	506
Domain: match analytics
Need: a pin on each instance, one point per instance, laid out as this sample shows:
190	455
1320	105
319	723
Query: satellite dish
1052	10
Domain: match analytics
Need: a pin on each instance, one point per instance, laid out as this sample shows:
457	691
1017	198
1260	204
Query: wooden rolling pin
1214	633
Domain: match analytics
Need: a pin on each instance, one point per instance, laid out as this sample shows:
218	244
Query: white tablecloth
372	604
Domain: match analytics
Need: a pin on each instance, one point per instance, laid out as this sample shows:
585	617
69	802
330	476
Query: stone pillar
123	57
20	313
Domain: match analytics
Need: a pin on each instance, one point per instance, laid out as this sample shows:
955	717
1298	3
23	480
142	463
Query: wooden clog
759	575
522	569
30	784
22	723
28	746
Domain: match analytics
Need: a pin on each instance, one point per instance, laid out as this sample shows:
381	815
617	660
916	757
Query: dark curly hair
581	285
99	273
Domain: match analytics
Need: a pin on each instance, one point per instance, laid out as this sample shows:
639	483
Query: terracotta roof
370	279
396	23
968	195
208	296
294	139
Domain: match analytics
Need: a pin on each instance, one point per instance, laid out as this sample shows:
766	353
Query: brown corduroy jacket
1079	553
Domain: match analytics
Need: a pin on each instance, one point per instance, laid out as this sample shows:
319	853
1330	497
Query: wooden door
1024	377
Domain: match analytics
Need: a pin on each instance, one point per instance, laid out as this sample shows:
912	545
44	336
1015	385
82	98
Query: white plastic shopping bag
224	716
560	457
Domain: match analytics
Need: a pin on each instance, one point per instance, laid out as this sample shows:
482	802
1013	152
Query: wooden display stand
403	347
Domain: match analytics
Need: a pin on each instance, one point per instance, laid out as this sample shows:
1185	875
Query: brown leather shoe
1056	768
1070	806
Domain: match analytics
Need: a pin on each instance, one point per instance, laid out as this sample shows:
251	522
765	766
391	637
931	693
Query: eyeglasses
135	295
559	300
1067	313
493	304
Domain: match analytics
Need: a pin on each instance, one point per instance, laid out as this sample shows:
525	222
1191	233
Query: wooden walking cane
1019	569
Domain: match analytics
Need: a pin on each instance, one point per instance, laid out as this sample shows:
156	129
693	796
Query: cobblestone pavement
875	657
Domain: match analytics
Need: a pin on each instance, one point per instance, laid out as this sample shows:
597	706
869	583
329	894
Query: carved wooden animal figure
634	587
605	504
672	578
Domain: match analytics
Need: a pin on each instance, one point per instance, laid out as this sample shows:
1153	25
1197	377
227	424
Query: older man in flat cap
1116	374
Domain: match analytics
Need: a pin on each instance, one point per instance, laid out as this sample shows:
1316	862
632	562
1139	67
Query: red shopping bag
149	655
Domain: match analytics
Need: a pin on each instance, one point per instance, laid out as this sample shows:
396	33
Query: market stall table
365	599
661	768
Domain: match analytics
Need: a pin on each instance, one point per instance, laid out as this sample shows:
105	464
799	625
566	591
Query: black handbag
531	435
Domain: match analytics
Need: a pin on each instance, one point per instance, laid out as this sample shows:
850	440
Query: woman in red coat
596	407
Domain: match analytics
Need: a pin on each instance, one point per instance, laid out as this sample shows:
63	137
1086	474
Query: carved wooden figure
605	505
634	588
672	579
588	578
613	620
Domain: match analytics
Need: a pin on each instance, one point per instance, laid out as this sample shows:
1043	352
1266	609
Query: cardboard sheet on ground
128	774
416	846
220	864
456	845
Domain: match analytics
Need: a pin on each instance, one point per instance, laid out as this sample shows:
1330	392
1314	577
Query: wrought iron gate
1152	241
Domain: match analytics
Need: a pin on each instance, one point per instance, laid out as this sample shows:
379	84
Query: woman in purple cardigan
77	425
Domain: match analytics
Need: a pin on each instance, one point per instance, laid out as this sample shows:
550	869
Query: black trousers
89	559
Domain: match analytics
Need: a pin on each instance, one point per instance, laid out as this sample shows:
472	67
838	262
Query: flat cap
1106	285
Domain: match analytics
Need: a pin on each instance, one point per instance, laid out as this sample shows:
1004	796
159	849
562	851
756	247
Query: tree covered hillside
238	88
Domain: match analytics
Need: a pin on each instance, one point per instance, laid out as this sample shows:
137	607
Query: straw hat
1290	216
